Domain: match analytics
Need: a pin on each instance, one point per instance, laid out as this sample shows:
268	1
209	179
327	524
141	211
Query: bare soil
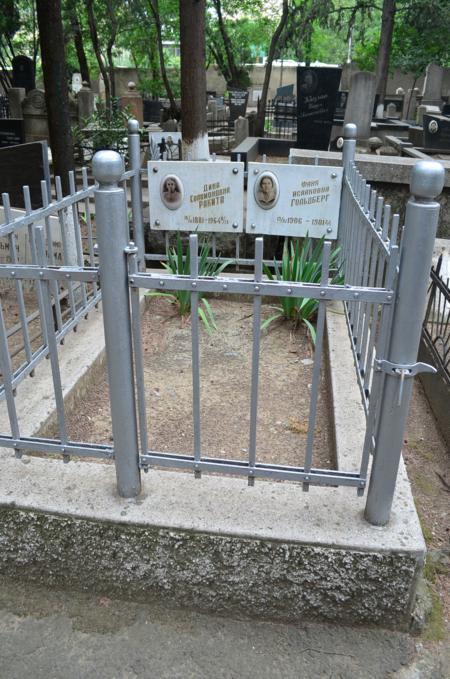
225	374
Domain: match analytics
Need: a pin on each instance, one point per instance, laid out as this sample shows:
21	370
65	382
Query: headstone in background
170	125
360	103
424	108
396	105
35	116
212	107
348	71
436	132
240	130
24	165
23	73
432	87
391	110
77	83
237	100
410	104
133	100
85	102
152	110
316	103
11	132
341	104
286	92
16	95
256	95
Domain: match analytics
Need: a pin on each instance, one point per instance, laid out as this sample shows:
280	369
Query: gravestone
23	73
16	95
410	104
85	103
237	101
24	165
426	108
391	110
432	87
436	132
360	103
286	92
133	100
35	116
316	102
152	110
170	125
11	132
240	130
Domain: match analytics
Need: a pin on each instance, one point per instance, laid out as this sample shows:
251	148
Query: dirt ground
225	373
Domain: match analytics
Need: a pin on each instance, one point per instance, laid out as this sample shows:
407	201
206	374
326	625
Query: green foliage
180	264
301	263
103	129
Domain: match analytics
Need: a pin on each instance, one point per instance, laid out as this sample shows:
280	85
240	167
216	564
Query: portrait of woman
266	191
171	192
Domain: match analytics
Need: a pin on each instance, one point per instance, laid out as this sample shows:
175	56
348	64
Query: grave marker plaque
196	196
293	200
11	132
316	96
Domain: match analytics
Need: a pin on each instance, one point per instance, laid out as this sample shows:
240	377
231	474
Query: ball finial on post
108	167
350	131
427	179
133	126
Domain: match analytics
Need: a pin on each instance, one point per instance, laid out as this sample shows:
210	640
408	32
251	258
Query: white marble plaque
293	200
196	196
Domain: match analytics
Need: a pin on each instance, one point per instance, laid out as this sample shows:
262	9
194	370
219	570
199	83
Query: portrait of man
266	191
171	192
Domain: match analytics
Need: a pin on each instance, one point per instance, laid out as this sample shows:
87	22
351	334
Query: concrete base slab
215	544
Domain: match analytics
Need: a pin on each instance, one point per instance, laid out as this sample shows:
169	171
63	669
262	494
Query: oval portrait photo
266	190
171	192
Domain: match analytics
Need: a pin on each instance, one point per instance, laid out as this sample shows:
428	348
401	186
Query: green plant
180	264
103	129
301	263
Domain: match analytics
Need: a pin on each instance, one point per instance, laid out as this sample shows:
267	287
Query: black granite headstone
24	165
152	110
237	101
316	102
23	73
285	91
436	132
11	132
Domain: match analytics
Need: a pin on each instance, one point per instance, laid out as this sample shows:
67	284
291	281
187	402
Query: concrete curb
271	551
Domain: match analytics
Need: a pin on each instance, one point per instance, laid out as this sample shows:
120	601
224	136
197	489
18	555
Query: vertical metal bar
134	153
88	220
32	241
18	284
6	368
111	218
257	301
132	252
386	221
317	362
62	226
51	257
78	242
422	214
193	251
214	245
52	344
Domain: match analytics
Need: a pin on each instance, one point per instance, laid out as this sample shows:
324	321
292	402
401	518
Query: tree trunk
98	54
384	49
261	114
51	37
233	77
193	79
79	47
155	11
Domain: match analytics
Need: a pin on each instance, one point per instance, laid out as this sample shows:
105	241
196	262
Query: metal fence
436	325
4	106
384	297
281	119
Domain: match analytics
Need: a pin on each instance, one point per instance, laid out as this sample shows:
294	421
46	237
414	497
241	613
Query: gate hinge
403	370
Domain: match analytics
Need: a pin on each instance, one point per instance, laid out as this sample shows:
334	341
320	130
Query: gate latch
403	370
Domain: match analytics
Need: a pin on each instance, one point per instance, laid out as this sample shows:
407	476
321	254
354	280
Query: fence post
421	219
134	152
112	237
349	148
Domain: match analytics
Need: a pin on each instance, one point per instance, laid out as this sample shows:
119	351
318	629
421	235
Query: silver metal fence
436	325
384	295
